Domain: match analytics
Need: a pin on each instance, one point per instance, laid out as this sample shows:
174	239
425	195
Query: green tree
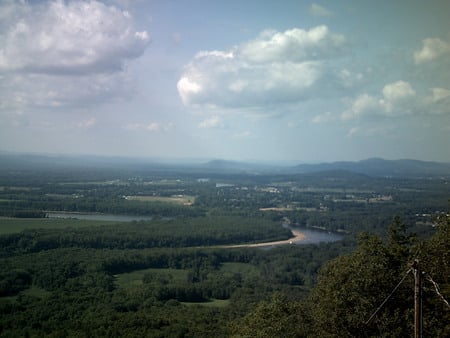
435	263
277	318
350	288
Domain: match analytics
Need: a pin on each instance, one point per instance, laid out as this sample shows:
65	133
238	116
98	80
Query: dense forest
181	268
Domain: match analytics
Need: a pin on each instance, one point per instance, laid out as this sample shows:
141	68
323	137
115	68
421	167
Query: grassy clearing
243	268
132	279
174	276
3	188
181	199
31	292
36	292
70	196
14	225
211	303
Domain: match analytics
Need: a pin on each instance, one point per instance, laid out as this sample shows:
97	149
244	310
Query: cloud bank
57	54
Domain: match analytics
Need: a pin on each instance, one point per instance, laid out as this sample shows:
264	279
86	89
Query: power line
436	288
388	297
417	297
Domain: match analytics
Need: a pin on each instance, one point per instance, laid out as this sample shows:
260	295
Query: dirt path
298	236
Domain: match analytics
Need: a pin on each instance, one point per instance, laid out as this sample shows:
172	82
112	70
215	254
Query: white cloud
187	88
294	124
153	126
212	122
349	79
439	100
87	124
440	94
399	90
293	45
317	10
432	48
373	131
58	53
362	105
324	118
149	127
23	91
399	99
353	131
77	37
275	68
243	135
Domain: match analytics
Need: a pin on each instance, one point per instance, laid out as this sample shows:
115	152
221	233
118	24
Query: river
313	236
300	236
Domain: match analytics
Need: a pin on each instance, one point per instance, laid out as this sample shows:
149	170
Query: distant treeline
180	232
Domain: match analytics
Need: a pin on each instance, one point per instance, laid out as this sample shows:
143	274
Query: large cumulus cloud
274	68
60	53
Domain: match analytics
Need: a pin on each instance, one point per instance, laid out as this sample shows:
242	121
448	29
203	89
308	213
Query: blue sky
241	80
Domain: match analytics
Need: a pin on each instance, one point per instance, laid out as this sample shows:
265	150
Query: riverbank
298	236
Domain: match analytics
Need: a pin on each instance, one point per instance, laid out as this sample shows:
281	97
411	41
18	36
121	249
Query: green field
133	281
242	268
135	278
181	199
210	303
10	225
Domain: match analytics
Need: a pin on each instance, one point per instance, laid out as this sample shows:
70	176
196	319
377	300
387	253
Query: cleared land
14	225
135	278
178	199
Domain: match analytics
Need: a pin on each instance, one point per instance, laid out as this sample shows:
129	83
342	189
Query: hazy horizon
167	160
254	81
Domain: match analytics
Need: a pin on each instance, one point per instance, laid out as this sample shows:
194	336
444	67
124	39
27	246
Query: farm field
179	199
135	278
9	225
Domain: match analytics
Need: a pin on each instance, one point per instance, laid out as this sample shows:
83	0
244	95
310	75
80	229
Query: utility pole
417	300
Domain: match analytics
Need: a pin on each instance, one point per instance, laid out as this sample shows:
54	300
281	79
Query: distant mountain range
372	166
381	167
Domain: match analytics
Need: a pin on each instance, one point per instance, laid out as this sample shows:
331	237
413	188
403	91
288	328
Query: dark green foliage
281	317
70	281
435	262
13	281
351	288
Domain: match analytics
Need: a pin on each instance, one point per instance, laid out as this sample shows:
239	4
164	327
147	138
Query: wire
387	298
436	288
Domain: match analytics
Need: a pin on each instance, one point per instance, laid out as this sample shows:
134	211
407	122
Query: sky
252	80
